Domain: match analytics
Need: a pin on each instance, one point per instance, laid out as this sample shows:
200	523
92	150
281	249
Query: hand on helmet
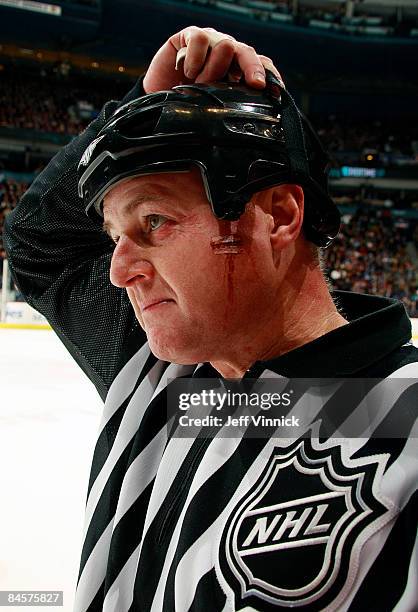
203	55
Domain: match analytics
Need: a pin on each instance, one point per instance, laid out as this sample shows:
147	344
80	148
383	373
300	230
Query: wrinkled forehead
179	186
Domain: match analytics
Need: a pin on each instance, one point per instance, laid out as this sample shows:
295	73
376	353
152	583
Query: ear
287	206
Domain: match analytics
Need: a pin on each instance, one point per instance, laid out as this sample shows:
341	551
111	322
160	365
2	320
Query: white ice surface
49	418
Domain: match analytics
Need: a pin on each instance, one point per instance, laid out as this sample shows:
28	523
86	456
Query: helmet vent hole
262	168
140	125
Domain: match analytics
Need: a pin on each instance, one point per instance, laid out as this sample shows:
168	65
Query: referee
199	261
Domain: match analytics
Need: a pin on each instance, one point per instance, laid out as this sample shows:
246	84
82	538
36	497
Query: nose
128	263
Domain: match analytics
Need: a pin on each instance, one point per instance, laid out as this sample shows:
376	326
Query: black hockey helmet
243	140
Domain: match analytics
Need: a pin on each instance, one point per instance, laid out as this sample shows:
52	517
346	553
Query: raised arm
60	259
60	262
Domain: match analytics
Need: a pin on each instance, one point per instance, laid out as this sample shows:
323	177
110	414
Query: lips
153	303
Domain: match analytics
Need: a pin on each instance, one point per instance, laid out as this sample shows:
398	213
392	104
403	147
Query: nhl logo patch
291	539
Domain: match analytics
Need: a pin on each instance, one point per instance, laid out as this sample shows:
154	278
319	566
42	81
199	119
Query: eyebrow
132	205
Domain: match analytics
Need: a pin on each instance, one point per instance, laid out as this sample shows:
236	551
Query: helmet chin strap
292	126
324	223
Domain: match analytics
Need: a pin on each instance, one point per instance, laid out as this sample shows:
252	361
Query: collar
377	326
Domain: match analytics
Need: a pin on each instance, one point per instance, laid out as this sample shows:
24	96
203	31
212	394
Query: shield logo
293	537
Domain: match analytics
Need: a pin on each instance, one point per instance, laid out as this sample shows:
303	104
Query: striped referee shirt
216	523
160	510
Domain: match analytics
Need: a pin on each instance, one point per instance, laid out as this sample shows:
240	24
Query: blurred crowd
337	17
50	100
37	105
54	102
10	193
388	141
394	23
372	253
375	250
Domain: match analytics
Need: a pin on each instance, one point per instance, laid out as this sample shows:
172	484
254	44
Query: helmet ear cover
242	141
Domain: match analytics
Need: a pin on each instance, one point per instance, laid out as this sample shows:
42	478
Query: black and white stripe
144	548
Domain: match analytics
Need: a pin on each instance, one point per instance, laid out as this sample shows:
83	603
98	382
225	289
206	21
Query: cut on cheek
229	241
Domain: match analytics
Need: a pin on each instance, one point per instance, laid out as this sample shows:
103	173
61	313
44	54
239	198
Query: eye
155	221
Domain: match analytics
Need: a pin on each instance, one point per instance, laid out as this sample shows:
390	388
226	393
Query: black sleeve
60	261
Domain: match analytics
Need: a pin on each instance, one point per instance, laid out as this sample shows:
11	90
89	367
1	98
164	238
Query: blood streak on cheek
228	243
230	265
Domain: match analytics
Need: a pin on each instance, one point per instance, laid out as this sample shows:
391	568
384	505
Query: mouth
155	304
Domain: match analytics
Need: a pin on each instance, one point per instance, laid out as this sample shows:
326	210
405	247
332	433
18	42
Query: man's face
193	299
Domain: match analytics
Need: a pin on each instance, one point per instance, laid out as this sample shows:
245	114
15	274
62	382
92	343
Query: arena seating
370	255
325	16
53	103
373	252
393	142
50	101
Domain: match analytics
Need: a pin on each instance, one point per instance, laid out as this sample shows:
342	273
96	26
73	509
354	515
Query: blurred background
350	64
352	67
